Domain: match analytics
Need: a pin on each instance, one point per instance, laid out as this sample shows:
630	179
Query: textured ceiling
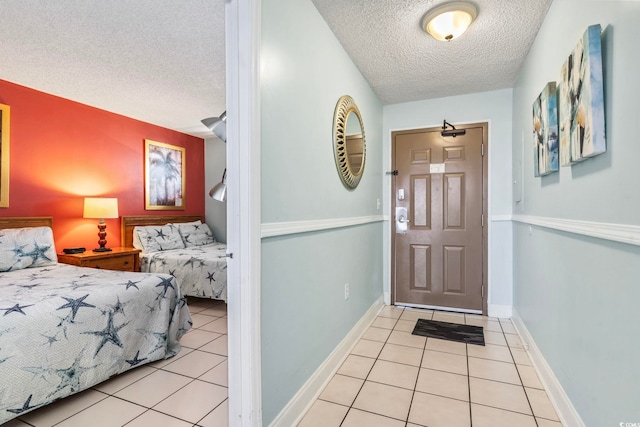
162	61
159	61
403	63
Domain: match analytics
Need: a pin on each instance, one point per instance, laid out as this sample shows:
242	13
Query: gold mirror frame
345	106
5	116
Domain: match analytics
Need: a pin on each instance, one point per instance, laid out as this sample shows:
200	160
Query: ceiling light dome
450	20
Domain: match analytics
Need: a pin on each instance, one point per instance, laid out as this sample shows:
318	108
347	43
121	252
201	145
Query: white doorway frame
243	33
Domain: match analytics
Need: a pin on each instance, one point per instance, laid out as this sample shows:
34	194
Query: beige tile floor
393	378
190	389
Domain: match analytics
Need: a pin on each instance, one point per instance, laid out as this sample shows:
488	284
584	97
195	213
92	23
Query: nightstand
123	259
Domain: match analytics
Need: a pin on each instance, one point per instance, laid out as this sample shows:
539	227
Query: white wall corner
300	403
564	408
497	310
387	298
243	38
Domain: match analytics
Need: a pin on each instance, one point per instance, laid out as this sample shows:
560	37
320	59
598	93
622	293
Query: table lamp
101	207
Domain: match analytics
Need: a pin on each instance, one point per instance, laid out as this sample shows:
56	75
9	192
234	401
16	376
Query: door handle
401	220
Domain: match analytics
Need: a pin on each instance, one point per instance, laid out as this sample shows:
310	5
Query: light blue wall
598	184
578	296
495	108
215	152
304	71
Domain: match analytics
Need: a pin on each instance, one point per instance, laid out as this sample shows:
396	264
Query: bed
64	329
185	249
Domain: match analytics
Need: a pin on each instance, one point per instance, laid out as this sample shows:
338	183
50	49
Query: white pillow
26	247
195	234
136	239
155	238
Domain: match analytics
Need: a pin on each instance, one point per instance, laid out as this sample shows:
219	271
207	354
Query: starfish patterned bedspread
64	329
201	271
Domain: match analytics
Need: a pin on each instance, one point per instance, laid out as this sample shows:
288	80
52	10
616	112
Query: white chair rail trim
272	229
623	233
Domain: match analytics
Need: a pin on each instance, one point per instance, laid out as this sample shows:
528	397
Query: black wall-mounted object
73	250
452	131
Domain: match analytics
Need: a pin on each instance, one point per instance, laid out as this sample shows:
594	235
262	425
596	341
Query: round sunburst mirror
349	145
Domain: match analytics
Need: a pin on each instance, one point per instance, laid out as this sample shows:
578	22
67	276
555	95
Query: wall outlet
346	291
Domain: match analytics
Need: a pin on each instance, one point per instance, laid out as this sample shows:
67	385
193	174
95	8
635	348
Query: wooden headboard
129	222
26	221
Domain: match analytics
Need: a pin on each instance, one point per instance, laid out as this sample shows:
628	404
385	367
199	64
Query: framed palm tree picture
164	176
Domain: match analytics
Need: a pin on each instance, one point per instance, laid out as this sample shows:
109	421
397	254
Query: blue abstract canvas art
582	122
545	132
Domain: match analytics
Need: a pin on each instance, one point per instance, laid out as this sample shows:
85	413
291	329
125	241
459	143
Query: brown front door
439	209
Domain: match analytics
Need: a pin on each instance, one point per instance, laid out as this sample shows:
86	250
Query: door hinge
393	172
482	220
482	146
482	291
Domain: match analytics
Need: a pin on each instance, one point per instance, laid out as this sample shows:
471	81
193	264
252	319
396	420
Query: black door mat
468	334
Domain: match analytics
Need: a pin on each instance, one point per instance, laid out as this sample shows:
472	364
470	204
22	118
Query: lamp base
102	235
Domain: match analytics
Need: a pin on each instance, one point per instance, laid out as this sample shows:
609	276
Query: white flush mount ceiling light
449	20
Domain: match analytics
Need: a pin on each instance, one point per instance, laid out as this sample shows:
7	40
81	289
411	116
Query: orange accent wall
62	151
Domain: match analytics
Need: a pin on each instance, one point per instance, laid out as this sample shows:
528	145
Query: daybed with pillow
182	246
64	329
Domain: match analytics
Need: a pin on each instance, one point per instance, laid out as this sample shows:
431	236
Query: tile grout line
148	408
209	413
520	377
107	395
415	385
76	413
165	398
502	382
424	348
155	369
215	318
469	375
368	373
153	406
440	370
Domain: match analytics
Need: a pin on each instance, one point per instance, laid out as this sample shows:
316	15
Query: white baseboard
300	403
559	399
496	310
